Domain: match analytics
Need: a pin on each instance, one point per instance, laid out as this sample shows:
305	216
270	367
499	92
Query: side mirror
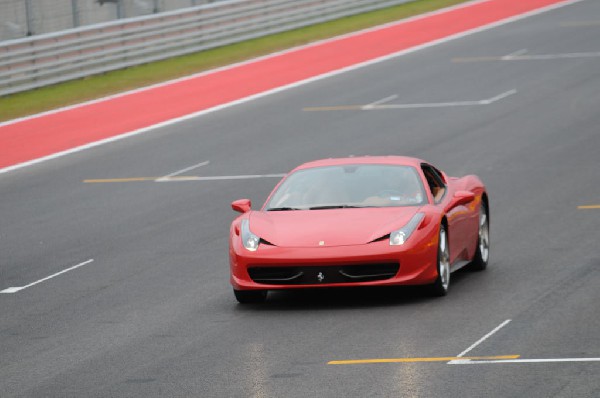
462	198
241	205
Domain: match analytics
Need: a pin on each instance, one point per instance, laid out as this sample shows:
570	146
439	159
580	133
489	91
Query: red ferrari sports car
363	221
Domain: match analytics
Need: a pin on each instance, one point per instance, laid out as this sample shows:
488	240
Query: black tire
250	296
482	254
441	285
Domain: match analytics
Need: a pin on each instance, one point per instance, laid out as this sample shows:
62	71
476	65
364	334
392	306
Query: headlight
249	240
400	236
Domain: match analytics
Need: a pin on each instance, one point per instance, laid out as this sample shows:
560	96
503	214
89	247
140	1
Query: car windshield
348	186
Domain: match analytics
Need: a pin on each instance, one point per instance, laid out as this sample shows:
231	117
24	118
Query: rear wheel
442	283
482	254
250	296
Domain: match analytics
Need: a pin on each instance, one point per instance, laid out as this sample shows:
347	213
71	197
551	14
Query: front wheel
250	296
442	283
482	254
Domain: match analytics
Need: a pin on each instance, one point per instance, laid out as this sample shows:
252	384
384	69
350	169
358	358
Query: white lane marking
530	57
18	289
544	57
219	178
442	104
514	54
484	338
381	101
183	170
544	360
295	84
499	97
11	290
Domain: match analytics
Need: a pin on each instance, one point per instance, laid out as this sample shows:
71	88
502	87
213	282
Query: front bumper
276	268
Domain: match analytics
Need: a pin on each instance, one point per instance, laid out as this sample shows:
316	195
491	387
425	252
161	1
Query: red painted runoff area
47	134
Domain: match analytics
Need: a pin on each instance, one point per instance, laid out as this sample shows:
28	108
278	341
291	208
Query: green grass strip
77	91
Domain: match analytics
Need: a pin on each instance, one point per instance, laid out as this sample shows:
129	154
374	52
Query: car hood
335	227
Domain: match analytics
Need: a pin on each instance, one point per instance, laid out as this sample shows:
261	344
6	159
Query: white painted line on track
544	360
545	57
219	178
18	289
484	338
381	101
499	97
178	172
528	57
289	86
381	104
515	54
443	104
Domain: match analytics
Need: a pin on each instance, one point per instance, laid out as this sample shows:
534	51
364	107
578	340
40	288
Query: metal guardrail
22	18
57	57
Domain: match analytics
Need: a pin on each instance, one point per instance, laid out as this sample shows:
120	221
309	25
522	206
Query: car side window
435	182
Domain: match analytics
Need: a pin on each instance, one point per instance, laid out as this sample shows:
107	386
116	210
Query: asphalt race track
153	314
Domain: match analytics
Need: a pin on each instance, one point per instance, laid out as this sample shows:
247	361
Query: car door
457	215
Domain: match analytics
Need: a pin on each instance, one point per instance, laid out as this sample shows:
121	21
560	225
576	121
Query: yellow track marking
333	108
184	178
134	179
580	23
137	179
414	360
588	207
475	59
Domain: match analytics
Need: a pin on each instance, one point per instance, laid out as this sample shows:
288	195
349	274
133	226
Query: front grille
316	274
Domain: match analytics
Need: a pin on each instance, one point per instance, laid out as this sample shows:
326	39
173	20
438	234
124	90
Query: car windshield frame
347	186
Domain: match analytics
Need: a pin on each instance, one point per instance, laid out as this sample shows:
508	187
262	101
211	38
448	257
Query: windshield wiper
325	207
335	207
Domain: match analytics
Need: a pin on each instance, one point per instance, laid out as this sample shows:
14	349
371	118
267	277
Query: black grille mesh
316	274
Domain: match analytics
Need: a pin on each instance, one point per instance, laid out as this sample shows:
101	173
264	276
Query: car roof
389	160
